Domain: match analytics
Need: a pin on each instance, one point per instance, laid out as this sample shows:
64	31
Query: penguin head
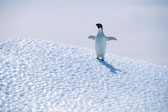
99	25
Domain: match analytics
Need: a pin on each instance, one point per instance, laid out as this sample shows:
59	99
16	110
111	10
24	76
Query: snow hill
43	76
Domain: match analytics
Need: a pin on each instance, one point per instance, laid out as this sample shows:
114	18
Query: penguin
100	42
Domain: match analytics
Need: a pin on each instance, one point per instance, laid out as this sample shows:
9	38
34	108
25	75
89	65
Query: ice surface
43	76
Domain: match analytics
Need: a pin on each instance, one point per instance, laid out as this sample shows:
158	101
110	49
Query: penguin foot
102	59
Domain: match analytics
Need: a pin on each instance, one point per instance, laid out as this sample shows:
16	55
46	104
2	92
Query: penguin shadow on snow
112	69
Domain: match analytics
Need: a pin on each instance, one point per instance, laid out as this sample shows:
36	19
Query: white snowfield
43	76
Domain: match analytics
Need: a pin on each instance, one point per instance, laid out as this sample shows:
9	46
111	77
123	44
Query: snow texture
43	76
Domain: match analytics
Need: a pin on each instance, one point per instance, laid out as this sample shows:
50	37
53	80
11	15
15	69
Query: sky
139	25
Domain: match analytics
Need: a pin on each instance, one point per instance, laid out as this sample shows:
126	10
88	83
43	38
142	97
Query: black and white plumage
100	42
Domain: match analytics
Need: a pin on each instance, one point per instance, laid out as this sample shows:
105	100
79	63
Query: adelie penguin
100	42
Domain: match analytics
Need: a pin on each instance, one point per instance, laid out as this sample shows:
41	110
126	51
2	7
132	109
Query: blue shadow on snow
112	69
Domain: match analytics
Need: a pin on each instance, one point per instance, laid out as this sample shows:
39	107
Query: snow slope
42	76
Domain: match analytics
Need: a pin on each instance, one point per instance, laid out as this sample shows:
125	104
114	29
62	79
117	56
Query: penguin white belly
100	46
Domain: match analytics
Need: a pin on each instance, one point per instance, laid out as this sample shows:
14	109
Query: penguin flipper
92	37
111	38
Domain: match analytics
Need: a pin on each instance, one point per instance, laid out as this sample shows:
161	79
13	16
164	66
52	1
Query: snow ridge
43	76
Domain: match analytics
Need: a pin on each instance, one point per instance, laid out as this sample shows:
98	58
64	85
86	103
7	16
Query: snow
43	76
